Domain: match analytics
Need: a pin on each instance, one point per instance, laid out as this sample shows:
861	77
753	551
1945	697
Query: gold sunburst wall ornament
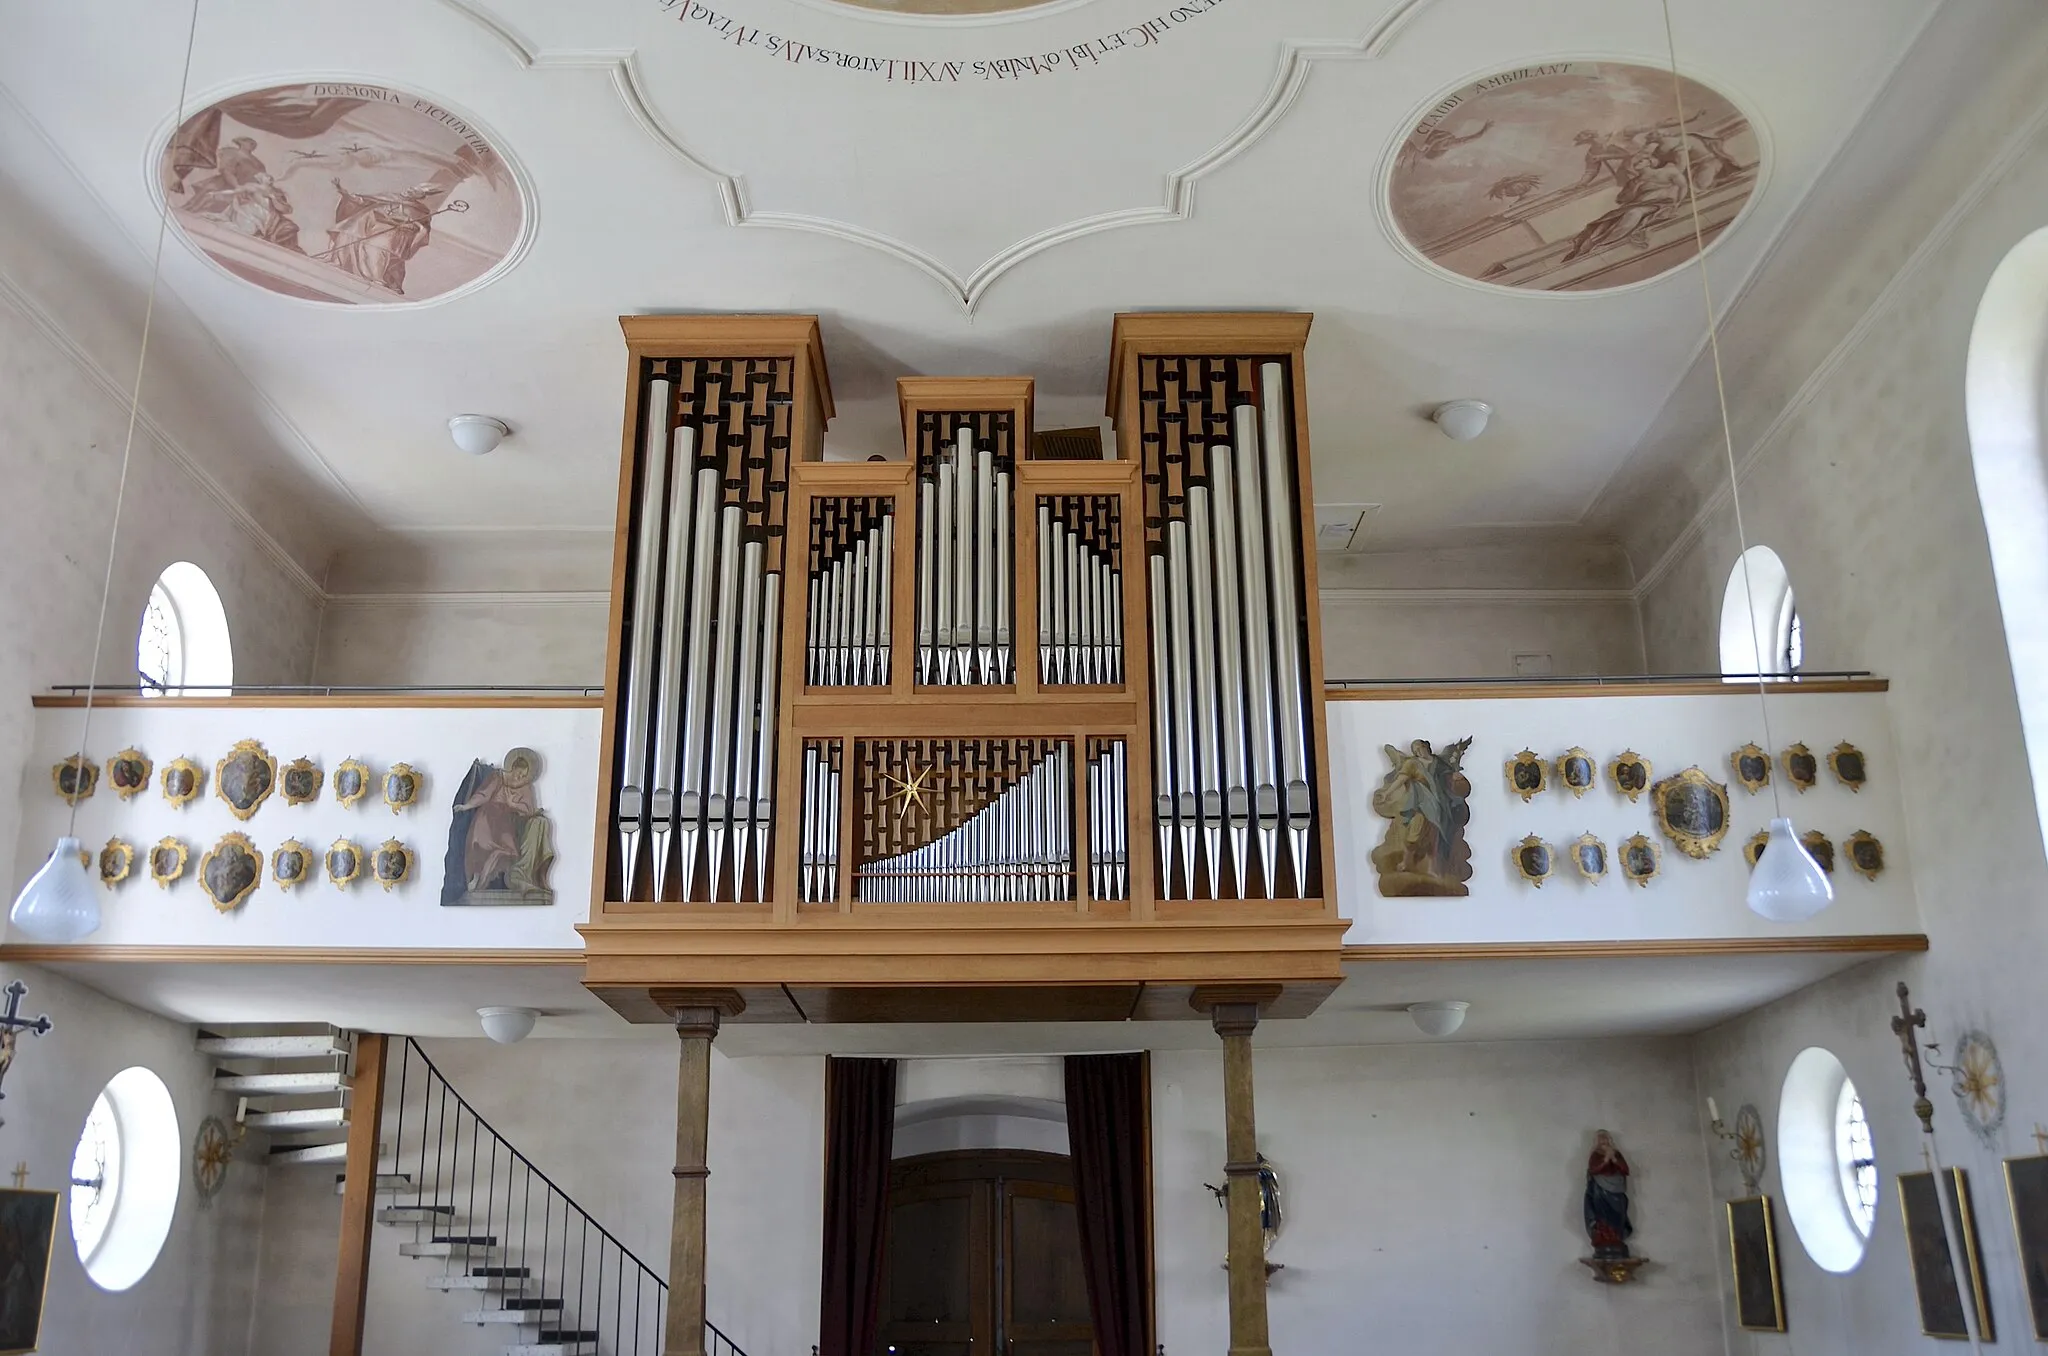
911	790
1978	1080
1750	1153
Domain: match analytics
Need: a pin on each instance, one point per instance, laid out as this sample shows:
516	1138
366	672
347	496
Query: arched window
124	1179
2006	400
95	1177
1760	626
1855	1159
1826	1163
183	641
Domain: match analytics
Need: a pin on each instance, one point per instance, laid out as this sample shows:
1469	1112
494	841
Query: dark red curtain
1107	1133
860	1129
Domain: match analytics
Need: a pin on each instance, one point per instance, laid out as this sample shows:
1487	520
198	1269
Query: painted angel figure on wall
501	844
1424	793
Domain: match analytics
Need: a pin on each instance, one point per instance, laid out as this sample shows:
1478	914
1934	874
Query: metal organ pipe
1207	753
632	803
764	707
1252	559
1287	617
1187	790
690	777
1005	670
668	694
885	587
1166	806
717	808
1230	694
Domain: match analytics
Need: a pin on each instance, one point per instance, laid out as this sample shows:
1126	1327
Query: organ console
970	711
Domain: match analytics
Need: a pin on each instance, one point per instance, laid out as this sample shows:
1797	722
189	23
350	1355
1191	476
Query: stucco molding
1297	56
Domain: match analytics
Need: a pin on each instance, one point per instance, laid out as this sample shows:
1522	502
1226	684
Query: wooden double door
984	1258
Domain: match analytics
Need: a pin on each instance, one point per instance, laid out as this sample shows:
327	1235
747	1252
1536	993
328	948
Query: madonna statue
1607	1222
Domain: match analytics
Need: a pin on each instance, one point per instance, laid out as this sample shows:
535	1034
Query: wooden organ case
970	734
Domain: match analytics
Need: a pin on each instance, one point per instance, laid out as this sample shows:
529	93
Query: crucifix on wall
12	1024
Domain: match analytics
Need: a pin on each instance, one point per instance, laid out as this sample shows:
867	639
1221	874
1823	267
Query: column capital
698	1012
1233	1009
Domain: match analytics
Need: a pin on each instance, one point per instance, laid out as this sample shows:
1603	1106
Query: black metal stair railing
505	1233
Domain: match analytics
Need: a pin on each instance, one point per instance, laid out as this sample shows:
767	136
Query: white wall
1477	633
438	743
472	641
1688	899
1865	488
196	1300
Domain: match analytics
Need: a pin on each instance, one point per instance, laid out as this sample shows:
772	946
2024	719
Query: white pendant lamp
59	905
1786	885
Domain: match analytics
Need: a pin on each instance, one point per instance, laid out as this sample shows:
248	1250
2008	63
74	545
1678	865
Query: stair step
414	1214
577	1337
580	1345
476	1282
294	1084
336	1152
442	1248
526	1318
273	1047
387	1182
306	1118
534	1304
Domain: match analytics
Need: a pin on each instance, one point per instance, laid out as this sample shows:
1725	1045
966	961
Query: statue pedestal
1614	1270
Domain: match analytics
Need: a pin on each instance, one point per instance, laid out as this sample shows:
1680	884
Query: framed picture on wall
1753	1249
1934	1276
2026	1187
28	1228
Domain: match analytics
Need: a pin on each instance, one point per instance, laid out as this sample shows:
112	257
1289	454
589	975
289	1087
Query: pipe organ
923	695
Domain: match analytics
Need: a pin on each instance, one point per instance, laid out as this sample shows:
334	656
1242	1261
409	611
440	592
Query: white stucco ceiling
1236	158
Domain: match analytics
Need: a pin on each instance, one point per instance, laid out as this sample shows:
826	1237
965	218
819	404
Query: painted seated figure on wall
1424	793
501	844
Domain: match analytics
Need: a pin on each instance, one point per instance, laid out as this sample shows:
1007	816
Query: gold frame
125	853
1763	1203
406	770
1636	840
327	862
1835	765
181	764
42	1304
356	765
1856	840
1754	848
1750	753
1526	759
393	845
1629	758
277	878
135	755
235	901
1565	760
1586	840
1966	1225
168	843
300	764
1804	784
1535	878
2037	1304
1820	848
1696	846
255	749
86	766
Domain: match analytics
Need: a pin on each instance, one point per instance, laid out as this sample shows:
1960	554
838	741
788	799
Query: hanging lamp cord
1699	240
156	265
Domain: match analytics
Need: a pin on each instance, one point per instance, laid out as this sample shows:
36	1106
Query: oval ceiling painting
348	193
951	8
1571	176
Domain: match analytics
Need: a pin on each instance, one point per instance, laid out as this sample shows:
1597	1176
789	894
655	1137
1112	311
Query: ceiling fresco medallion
950	9
1571	176
355	194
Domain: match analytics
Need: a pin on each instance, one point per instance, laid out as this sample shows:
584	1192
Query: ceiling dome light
58	905
1462	420
507	1026
1787	885
1439	1018
478	434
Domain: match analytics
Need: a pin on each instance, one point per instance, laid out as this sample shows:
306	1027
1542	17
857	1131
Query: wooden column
697	1016
1235	1015
358	1196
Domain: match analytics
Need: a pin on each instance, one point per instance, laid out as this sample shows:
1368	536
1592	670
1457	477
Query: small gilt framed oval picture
181	781
1589	855
1823	851
351	781
290	864
75	779
300	781
117	862
401	787
1630	773
1528	776
167	862
1640	860
245	778
128	773
391	863
1535	860
344	862
1692	809
1802	769
1754	848
1577	770
1846	762
230	871
1752	767
1865	854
